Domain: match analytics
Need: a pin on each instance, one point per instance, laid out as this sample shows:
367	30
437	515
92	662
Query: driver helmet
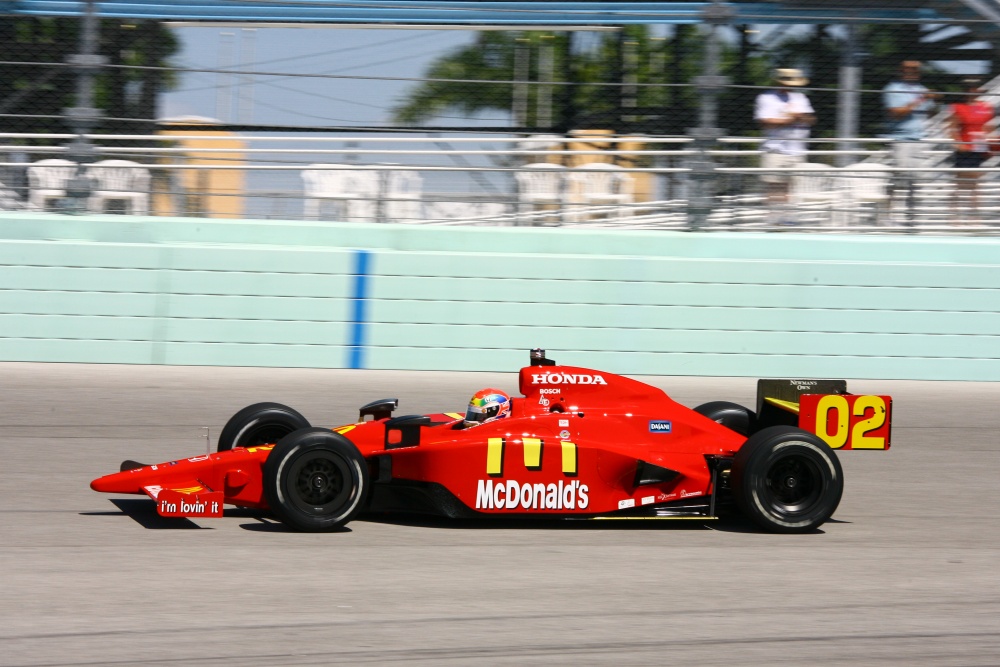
487	405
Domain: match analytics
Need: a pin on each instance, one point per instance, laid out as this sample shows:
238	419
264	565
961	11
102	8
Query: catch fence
621	124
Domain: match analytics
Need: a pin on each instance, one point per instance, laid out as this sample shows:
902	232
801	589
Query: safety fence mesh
568	99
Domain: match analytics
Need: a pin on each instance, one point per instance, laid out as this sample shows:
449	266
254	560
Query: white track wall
111	289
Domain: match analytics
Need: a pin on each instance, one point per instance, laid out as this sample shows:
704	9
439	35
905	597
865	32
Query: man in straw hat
785	115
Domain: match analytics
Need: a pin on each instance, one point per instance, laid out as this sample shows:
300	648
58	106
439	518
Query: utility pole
83	117
546	73
850	85
630	79
248	50
224	79
710	85
522	73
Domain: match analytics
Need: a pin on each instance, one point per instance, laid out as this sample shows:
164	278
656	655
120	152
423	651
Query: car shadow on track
445	523
143	512
265	523
739	524
725	524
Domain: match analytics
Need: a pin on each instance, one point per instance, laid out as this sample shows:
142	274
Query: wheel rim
793	484
319	483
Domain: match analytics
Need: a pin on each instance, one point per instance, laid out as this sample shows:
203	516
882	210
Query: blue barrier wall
111	289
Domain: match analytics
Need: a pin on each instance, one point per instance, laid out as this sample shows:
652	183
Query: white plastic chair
356	189
603	184
468	212
866	183
403	194
820	191
47	180
540	184
119	180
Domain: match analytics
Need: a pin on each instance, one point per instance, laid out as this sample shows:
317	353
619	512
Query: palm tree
592	87
592	71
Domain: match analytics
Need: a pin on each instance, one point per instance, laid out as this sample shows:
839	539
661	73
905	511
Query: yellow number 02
859	437
832	402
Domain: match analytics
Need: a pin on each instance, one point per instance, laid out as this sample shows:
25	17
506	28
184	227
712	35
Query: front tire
315	480
260	424
731	415
787	480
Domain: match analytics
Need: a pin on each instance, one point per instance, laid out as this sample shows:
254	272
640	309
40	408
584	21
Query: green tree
468	80
34	96
591	68
592	79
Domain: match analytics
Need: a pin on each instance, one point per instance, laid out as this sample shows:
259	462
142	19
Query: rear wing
824	407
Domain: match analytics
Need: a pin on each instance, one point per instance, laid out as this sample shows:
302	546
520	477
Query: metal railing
481	180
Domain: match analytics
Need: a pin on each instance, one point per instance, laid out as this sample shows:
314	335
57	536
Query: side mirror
380	409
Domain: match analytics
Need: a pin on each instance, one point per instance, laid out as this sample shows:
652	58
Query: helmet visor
479	415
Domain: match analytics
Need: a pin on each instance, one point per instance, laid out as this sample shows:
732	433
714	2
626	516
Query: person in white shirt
908	105
785	115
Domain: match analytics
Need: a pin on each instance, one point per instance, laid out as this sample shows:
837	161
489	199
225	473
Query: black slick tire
787	480
731	415
315	480
260	424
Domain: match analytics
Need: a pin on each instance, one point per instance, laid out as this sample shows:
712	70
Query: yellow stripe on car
785	405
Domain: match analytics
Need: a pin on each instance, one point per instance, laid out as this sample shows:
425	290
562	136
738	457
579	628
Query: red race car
579	443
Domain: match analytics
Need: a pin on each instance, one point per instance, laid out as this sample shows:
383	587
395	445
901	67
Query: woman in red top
969	121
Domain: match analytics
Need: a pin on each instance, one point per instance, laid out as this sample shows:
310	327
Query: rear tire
787	480
315	480
260	424
731	415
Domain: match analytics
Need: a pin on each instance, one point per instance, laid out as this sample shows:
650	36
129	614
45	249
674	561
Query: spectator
970	123
785	115
907	103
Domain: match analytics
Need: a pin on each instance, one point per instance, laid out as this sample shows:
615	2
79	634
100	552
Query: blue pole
355	354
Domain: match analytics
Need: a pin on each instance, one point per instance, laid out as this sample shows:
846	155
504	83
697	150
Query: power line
333	52
332	74
320	95
308	115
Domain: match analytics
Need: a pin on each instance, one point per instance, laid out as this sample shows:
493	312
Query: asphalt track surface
908	573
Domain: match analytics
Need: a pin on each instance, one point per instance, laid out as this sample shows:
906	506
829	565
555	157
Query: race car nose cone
101	484
115	483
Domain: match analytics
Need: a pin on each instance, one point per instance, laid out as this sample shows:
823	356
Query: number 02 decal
847	421
859	435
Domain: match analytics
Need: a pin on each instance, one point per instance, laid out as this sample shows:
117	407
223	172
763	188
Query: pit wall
113	289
